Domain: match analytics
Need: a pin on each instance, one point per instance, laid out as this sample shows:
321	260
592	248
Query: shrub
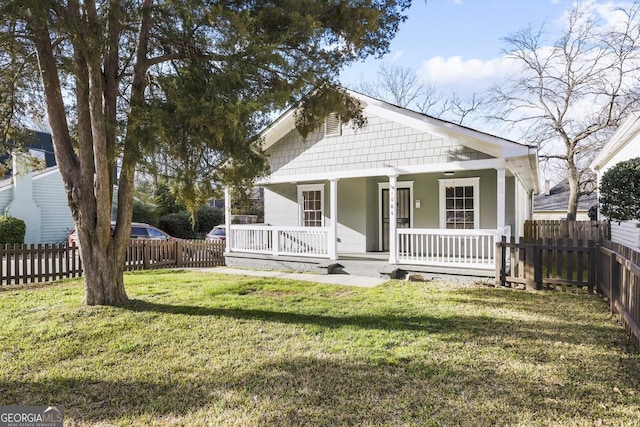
620	191
145	212
178	224
208	217
12	230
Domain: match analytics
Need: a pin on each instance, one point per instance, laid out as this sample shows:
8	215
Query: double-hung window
311	203
459	203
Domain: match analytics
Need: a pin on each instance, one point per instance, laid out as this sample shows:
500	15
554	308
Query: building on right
623	145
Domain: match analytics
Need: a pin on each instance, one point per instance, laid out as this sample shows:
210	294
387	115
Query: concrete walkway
333	279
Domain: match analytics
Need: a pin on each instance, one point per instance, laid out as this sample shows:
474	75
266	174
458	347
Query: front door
403	211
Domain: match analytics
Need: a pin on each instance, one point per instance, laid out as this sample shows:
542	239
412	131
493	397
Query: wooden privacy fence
38	263
574	230
550	264
43	263
619	280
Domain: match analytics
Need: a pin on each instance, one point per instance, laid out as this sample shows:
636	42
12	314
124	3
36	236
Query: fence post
500	261
178	250
614	281
537	263
594	262
146	256
529	268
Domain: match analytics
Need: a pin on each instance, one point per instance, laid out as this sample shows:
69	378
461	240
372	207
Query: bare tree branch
568	96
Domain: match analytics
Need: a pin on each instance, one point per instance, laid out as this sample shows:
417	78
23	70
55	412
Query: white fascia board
525	169
387	171
483	142
47	172
278	129
627	131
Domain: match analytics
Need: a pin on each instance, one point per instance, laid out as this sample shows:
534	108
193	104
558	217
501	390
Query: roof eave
629	129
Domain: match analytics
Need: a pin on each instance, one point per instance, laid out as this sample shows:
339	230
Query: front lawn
199	349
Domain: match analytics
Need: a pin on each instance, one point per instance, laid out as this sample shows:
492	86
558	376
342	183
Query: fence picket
43	263
561	229
546	265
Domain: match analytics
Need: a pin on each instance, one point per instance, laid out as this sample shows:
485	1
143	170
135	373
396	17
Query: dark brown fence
146	254
560	264
574	230
43	263
38	263
619	281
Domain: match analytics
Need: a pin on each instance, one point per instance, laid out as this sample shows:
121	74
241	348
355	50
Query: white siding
626	233
352	204
380	143
281	206
50	196
6	196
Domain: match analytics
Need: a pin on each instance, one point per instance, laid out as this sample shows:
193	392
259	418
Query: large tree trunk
572	204
104	284
86	163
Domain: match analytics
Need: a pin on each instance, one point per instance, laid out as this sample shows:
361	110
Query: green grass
198	349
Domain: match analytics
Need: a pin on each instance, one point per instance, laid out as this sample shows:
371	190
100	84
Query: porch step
367	268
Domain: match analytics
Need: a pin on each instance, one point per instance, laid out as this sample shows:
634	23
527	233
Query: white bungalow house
40	200
623	145
406	188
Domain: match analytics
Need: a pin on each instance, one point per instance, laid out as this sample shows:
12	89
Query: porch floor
376	264
369	264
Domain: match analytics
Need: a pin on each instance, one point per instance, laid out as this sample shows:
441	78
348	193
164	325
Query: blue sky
457	44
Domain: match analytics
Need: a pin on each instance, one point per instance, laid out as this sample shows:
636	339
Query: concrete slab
332	279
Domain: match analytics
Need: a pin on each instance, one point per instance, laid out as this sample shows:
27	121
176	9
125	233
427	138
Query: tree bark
87	173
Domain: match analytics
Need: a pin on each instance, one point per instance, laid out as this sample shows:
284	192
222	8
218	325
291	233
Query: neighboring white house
623	145
39	199
416	189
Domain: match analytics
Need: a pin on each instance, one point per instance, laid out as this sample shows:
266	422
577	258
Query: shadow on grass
450	327
388	322
289	391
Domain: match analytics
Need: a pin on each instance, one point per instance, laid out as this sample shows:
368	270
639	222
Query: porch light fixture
449	173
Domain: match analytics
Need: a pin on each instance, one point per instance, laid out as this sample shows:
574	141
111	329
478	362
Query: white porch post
227	219
333	227
500	191
393	221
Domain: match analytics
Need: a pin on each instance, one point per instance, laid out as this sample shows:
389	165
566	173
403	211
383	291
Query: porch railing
292	241
438	247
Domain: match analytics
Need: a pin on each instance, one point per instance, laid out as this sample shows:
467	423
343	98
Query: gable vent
332	125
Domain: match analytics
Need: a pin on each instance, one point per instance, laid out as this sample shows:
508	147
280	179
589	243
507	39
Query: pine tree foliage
175	87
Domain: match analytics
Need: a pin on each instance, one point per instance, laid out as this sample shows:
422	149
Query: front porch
312	249
372	264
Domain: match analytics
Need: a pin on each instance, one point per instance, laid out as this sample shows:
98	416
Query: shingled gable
520	159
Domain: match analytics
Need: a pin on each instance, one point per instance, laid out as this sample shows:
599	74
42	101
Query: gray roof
558	199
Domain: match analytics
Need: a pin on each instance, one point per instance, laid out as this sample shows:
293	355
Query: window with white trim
311	202
459	203
332	125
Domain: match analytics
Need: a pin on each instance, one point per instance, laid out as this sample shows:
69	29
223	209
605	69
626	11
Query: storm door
403	210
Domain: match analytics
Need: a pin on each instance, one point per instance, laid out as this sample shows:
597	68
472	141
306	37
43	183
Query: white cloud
611	12
396	55
454	71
